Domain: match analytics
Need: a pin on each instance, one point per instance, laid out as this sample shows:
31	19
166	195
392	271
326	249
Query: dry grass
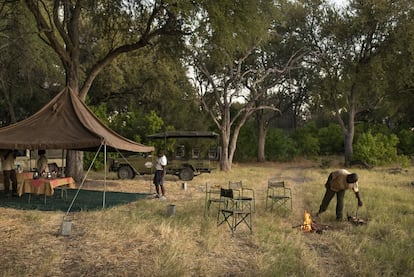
138	239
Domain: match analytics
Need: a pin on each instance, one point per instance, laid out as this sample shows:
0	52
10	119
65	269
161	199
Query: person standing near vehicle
9	173
338	182
160	170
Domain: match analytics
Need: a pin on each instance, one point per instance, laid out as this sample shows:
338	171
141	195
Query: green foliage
130	124
98	163
279	146
365	127
159	83
406	141
247	143
28	75
306	140
153	122
331	139
101	112
377	149
232	27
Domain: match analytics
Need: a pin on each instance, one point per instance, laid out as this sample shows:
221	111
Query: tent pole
83	180
63	169
104	194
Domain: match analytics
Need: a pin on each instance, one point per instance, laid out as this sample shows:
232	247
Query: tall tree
350	48
159	84
28	68
400	70
229	33
116	26
281	56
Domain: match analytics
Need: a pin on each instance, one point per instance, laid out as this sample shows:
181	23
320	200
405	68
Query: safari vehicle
192	154
26	159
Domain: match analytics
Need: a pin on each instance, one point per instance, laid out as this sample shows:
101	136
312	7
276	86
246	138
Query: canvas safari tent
66	123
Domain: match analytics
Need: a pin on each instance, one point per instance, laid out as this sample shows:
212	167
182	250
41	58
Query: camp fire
310	226
307	222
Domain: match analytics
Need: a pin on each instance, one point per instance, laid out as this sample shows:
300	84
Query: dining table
44	186
20	176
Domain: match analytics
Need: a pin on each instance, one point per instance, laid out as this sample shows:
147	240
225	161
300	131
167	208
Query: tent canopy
65	123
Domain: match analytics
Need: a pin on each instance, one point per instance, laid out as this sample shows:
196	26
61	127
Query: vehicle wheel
186	174
125	172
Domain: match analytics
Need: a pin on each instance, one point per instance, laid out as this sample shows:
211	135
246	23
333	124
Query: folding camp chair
243	193
212	197
233	211
278	194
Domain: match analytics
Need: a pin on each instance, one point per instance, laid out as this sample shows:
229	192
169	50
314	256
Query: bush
331	140
279	146
99	162
406	142
306	140
247	143
378	149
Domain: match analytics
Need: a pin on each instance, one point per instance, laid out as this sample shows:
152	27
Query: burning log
319	228
310	225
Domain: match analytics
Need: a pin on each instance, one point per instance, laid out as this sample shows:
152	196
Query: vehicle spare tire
125	172
186	174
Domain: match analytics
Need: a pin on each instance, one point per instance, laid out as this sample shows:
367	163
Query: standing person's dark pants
10	175
159	182
329	194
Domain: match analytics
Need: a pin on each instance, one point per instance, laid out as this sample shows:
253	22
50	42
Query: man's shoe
163	197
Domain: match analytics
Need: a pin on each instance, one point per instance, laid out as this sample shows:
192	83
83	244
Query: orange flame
307	222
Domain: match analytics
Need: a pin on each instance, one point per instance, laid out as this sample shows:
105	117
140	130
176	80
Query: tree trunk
349	136
261	157
225	163
74	165
9	102
348	149
74	159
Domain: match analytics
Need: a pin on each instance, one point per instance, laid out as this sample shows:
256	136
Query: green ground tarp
86	200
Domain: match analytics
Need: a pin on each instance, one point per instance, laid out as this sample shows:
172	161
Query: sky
339	3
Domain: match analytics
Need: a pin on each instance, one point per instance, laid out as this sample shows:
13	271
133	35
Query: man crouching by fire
338	182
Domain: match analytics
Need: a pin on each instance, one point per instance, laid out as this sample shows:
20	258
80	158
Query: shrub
406	142
331	140
279	146
306	140
247	143
378	149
